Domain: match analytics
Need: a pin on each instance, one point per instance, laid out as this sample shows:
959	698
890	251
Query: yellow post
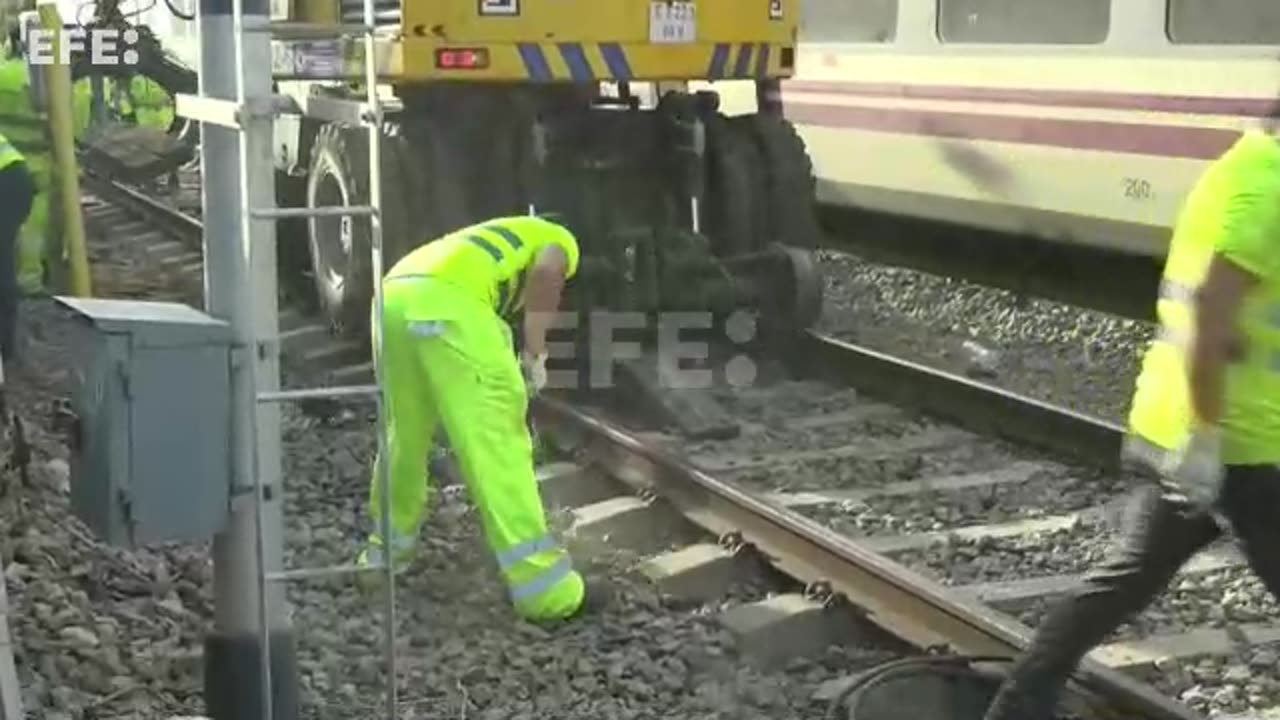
66	172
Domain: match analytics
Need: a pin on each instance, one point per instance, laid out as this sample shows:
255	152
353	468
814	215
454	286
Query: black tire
790	200
734	212
339	247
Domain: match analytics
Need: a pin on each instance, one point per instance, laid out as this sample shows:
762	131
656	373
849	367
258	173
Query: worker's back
1234	210
489	260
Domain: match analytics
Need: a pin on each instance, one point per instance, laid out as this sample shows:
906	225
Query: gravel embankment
871	470
1219	599
106	634
463	649
1049	493
958	561
1083	360
1243	682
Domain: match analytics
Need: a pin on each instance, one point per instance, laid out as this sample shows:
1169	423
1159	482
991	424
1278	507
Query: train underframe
677	208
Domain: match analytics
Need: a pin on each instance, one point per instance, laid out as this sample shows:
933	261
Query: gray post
237	252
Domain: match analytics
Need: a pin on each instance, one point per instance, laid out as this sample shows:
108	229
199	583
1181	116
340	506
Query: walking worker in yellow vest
17	192
1205	420
447	358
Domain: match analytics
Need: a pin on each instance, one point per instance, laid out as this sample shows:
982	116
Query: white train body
1082	121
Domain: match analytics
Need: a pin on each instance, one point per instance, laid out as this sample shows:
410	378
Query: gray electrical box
151	425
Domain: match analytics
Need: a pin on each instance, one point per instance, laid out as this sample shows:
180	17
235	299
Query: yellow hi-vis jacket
1233	211
490	261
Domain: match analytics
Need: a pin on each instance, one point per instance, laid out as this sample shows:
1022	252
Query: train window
852	21
1213	22
1047	22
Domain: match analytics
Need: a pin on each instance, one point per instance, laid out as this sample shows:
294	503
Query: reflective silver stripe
400	545
512	239
426	328
1176	291
525	550
543	582
1177	338
486	246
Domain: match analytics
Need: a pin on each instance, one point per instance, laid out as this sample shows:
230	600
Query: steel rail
982	408
902	602
173	220
893	597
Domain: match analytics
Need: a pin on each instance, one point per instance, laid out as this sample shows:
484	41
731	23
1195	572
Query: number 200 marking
1137	189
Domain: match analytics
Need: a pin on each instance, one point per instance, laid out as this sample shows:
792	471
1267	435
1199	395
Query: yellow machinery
573	108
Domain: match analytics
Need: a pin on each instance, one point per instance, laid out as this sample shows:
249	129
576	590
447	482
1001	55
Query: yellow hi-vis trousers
448	358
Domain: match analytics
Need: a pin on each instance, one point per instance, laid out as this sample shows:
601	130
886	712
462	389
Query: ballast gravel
1050	493
962	561
1083	360
1219	599
834	473
1243	683
462	648
100	632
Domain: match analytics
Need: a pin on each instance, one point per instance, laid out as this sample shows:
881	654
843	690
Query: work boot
599	594
372	556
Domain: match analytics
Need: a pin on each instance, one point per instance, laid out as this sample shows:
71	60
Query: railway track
945	511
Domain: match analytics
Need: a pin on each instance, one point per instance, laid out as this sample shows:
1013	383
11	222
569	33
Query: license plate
672	22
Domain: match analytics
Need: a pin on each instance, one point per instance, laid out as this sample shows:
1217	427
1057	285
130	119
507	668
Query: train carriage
1083	123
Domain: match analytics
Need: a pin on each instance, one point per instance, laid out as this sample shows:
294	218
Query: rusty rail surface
982	408
904	603
181	225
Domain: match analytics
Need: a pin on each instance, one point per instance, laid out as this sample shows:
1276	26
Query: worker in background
23	125
17	192
447	358
1204	423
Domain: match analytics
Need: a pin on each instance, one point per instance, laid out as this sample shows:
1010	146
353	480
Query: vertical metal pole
240	287
98	107
10	691
375	241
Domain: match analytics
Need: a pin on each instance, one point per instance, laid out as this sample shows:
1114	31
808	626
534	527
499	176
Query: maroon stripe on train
1137	138
1188	104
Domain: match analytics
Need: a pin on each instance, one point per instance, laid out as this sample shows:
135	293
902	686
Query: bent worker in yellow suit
447	358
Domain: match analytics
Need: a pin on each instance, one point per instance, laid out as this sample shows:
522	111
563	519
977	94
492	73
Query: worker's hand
534	368
1196	468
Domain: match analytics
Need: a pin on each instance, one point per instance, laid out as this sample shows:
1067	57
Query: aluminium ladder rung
322	572
228	113
321	392
279	213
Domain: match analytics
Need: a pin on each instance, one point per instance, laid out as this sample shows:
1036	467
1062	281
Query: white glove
535	372
1196	468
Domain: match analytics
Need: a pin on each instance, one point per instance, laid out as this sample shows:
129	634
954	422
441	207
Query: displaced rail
832	566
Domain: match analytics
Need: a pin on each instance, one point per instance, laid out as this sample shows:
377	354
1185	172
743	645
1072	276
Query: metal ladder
368	114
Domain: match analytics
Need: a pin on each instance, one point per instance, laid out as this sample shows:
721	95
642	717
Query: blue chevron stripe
535	62
576	59
719	57
744	61
616	58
